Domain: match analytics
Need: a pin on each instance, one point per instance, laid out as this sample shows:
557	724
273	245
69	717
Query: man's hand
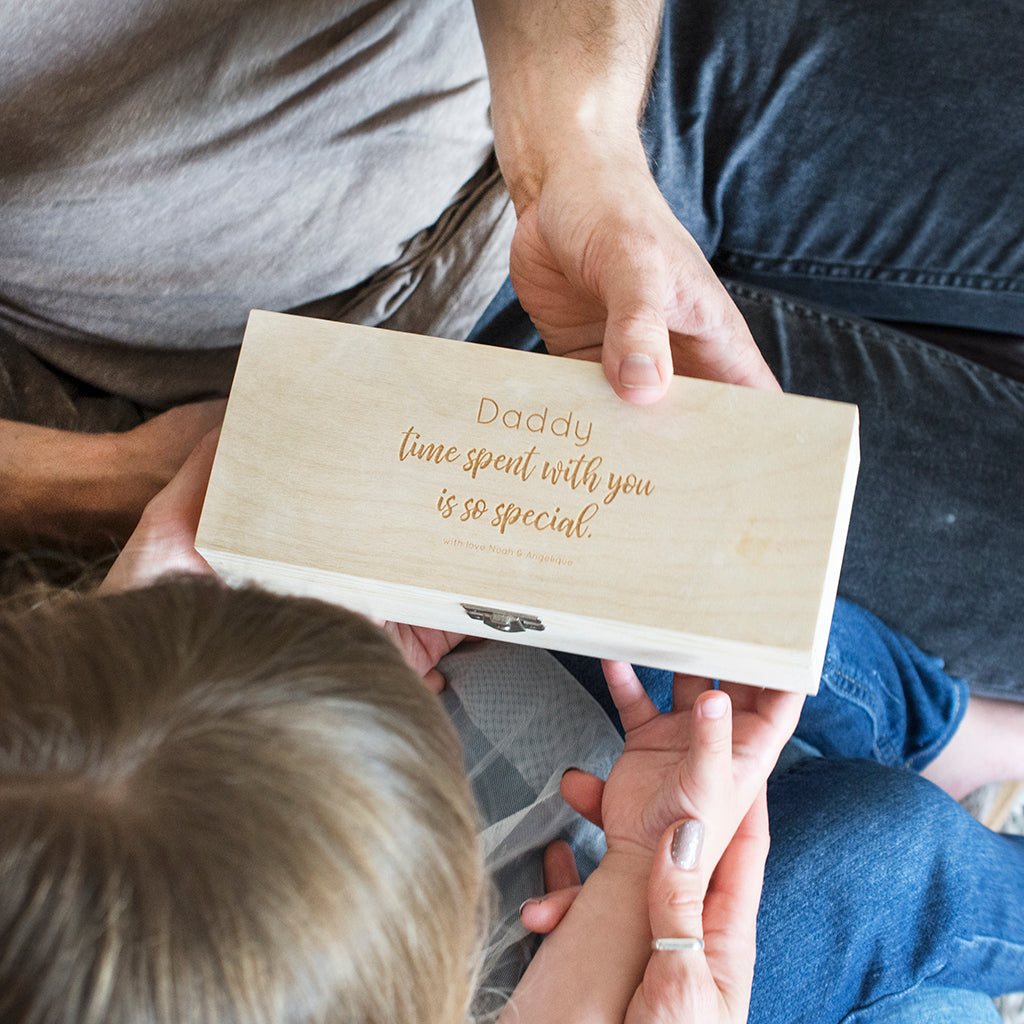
165	539
598	259
607	272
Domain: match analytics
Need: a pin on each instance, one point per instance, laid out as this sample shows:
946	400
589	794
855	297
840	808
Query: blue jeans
866	158
903	907
884	901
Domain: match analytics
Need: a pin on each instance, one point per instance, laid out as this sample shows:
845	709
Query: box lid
509	494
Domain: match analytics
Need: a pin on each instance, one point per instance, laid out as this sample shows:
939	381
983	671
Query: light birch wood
703	534
1007	797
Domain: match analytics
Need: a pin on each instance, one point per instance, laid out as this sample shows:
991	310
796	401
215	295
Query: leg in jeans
859	154
884	901
865	156
936	536
880	698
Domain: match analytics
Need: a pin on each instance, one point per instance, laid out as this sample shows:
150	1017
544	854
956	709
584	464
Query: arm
706	761
561	73
598	259
89	489
164	541
590	966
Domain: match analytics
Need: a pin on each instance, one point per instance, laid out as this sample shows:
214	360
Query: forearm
559	70
88	489
589	967
65	487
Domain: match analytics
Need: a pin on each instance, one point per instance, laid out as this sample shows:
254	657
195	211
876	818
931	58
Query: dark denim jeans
862	154
864	160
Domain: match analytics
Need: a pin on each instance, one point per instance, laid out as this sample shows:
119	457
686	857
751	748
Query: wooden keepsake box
512	495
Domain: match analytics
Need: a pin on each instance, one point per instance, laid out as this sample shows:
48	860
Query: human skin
598	260
705	761
88	491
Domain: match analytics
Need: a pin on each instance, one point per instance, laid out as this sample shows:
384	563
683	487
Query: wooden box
509	494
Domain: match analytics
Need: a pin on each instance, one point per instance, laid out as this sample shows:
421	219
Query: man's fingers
765	721
686	689
164	539
636	356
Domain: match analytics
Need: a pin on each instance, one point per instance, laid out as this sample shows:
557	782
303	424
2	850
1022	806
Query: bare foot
988	747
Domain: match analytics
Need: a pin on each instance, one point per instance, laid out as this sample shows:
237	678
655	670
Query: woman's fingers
678	986
764	722
730	909
703	946
677	890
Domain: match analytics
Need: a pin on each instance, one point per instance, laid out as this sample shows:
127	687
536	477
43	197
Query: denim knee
880	697
878	884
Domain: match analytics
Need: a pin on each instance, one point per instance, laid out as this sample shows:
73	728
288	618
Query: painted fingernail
639	371
687	844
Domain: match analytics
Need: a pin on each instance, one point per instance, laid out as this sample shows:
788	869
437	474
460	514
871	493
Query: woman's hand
680	987
697	772
710	985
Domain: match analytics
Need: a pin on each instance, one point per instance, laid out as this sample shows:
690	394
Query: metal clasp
505	622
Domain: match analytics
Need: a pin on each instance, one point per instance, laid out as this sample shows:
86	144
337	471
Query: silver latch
505	622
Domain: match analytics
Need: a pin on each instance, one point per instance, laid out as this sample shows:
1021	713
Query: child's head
226	806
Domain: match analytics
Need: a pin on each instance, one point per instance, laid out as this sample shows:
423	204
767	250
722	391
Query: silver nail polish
687	844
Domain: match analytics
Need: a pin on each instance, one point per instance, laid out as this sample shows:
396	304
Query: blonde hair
224	806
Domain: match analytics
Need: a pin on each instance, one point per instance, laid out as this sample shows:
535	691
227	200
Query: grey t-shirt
167	165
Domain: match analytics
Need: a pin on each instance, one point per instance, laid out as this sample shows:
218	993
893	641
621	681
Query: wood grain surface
406	476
